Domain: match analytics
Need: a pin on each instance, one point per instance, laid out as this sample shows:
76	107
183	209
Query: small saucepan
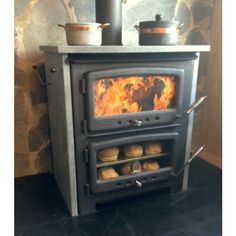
84	34
158	32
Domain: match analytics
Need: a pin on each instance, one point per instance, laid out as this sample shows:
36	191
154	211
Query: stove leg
87	208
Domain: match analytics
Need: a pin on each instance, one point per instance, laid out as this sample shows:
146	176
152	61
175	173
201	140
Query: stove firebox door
132	161
131	97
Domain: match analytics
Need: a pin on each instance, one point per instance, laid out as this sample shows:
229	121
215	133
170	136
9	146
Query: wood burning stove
114	97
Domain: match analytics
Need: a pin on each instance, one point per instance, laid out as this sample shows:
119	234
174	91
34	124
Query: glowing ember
113	96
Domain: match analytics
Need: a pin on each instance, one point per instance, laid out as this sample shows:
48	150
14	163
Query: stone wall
36	24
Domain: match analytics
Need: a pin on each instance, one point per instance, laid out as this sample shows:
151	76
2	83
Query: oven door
133	161
131	97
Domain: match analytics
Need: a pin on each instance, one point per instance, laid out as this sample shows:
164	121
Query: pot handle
158	17
103	26
137	28
63	26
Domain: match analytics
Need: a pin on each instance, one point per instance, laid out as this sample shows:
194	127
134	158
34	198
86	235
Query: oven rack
123	160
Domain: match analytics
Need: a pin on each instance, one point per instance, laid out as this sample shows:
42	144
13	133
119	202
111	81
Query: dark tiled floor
40	210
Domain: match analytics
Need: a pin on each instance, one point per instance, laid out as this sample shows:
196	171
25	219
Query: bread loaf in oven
152	148
107	173
133	150
108	154
150	165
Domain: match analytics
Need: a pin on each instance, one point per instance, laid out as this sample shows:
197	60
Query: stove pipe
110	11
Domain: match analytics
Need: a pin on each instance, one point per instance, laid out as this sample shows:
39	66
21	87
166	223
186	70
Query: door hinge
86	188
84	127
85	156
82	86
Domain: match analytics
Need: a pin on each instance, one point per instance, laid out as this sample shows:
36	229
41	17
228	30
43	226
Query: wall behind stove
36	24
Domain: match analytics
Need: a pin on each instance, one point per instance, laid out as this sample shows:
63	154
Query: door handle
192	107
196	153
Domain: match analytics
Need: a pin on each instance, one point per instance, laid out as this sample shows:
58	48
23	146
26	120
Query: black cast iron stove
117	97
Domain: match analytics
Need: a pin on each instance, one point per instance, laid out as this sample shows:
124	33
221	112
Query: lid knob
158	17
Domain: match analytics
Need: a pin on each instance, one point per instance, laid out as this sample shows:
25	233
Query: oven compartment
165	160
132	97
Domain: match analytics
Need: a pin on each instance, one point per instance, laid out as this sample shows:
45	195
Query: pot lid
158	23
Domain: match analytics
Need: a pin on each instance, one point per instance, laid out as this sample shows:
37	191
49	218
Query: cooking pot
84	34
158	32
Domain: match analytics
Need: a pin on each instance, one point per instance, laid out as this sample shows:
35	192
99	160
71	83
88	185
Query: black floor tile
40	210
38	201
95	224
44	229
211	227
201	173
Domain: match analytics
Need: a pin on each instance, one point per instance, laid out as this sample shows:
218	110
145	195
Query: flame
113	96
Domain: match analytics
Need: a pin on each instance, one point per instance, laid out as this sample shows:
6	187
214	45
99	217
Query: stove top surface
124	49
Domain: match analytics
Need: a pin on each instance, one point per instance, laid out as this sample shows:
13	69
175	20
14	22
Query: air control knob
138	183
137	123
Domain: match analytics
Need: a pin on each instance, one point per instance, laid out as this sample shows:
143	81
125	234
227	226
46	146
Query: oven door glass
130	97
132	161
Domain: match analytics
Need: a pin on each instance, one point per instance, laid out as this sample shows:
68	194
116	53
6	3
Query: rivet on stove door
53	70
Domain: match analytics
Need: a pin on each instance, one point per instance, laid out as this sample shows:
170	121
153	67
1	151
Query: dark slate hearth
40	210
